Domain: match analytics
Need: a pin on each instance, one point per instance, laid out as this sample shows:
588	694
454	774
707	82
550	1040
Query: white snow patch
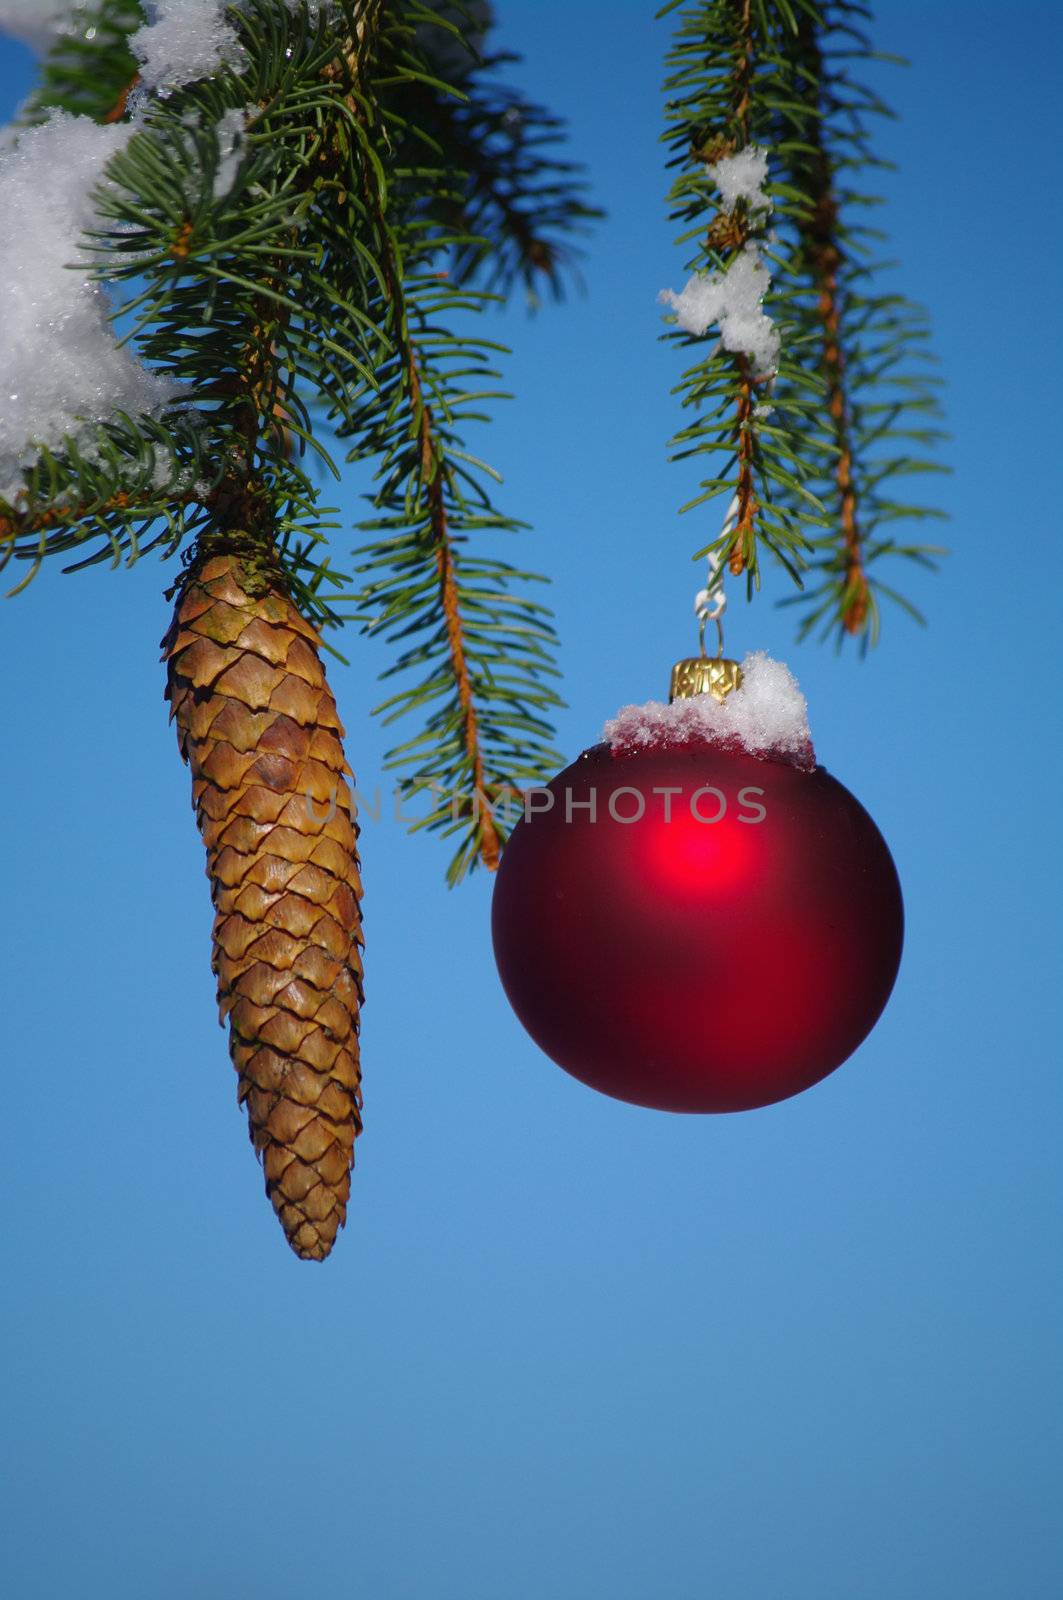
183	40
732	300
742	177
36	22
229	130
188	39
60	364
767	715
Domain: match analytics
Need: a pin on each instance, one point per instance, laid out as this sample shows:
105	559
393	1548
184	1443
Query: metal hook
702	619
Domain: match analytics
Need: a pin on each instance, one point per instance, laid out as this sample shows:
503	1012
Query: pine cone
256	721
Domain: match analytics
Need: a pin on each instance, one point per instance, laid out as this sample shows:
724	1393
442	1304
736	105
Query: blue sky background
567	1348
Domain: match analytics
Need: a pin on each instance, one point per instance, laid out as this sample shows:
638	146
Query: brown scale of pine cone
257	724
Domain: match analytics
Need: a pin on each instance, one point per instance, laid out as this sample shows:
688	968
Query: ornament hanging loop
702	674
718	619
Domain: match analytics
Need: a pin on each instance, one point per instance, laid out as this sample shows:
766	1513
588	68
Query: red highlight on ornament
721	937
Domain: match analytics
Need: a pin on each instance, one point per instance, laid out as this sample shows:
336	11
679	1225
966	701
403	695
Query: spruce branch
871	347
736	224
518	205
431	466
851	402
725	80
479	649
819	231
89	71
234	292
316	286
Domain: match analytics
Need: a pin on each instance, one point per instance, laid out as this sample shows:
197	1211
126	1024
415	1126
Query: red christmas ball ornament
694	915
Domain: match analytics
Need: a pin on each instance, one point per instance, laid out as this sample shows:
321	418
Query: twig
825	253
118	110
422	430
745	520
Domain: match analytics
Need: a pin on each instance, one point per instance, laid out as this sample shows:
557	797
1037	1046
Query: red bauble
721	933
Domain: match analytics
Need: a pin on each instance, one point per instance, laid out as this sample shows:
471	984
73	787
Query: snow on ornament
695	915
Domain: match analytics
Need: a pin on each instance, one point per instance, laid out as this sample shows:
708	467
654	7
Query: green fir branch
322	295
517	206
853	406
728	85
475	650
871	346
90	70
250	301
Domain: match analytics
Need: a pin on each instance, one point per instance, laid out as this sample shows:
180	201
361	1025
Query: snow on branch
60	364
183	41
742	177
61	367
733	299
229	131
36	22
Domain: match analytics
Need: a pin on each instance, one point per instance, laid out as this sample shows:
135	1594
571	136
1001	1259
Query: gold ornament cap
713	675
